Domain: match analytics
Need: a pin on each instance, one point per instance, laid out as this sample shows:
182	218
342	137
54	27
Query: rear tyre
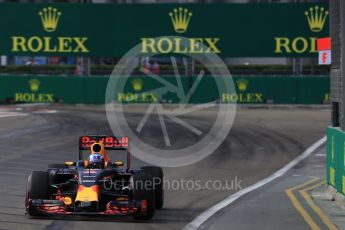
37	188
141	189
157	175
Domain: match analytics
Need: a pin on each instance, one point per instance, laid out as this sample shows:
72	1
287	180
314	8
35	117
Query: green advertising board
141	89
336	158
33	89
231	30
333	153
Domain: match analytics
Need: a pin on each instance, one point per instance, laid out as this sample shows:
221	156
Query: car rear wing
110	142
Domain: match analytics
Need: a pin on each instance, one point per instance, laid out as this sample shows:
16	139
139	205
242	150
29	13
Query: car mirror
70	163
117	163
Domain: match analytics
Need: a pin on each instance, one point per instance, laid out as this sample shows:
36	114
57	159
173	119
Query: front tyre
157	175
37	188
142	191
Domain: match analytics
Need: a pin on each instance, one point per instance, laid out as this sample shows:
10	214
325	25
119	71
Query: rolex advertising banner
229	30
139	89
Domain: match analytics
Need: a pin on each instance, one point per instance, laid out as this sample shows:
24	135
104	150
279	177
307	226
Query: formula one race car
96	185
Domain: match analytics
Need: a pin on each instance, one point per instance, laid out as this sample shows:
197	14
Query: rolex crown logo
34	85
180	19
242	84
50	18
137	84
316	17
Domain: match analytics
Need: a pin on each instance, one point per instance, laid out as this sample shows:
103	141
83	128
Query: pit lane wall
91	90
336	159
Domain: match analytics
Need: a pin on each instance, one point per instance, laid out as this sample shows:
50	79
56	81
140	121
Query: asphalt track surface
260	142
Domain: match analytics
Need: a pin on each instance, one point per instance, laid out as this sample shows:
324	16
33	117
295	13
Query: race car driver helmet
96	160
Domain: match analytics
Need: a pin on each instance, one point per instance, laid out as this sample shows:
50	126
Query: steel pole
342	61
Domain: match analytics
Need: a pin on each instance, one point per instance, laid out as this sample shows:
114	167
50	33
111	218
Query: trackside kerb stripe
199	220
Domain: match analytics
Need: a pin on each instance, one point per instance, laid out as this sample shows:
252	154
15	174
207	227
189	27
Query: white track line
11	114
45	111
199	220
